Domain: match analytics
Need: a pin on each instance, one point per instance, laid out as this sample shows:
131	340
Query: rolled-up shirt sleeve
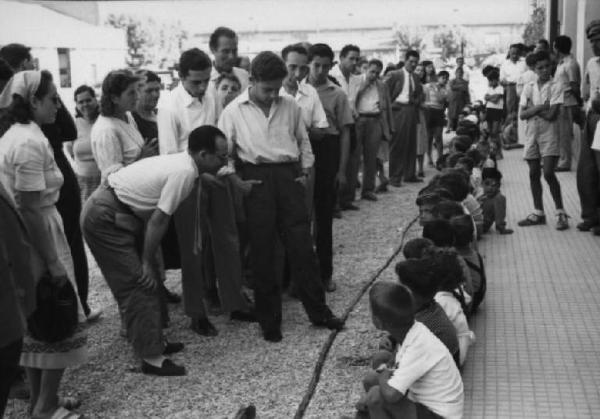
168	131
107	150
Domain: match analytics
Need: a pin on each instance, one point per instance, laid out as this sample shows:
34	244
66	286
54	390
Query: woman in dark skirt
69	203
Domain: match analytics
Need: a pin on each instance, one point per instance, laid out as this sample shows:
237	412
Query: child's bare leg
381	357
379	409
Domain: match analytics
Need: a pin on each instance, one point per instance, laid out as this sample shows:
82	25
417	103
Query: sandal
532	220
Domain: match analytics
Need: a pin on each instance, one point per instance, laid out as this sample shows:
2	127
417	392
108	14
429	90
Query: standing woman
86	169
116	140
430	74
33	179
459	98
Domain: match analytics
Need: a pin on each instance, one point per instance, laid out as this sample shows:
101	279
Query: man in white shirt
588	167
345	74
223	44
124	222
190	106
267	137
568	76
405	93
510	71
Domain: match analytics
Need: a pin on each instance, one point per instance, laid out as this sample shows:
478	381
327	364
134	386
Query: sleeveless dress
27	165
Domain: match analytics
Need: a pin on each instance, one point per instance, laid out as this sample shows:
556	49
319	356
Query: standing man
124	222
267	136
191	105
568	76
345	74
405	92
588	168
460	63
374	109
223	45
330	147
510	72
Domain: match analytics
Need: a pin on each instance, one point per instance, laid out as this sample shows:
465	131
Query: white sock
155	361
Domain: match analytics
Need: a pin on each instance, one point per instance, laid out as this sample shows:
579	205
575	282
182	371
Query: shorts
541	139
434	117
493	115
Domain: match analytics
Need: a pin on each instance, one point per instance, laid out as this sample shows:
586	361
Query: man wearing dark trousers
588	168
330	147
268	138
405	92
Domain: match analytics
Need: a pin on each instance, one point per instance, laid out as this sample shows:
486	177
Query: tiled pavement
537	353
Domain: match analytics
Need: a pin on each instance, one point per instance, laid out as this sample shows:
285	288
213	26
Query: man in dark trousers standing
405	91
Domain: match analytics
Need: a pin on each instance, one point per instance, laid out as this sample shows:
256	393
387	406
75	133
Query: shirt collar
185	97
244	97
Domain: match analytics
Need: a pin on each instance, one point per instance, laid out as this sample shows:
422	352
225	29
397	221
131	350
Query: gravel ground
238	367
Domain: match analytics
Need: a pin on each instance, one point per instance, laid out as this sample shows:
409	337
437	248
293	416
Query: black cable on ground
316	376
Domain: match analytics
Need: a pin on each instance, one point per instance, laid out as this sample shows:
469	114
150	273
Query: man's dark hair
463	228
563	44
320	50
411	53
6	72
376	62
544	42
213	42
413	249
148	76
204	138
297	48
540	56
348	48
15	54
268	66
193	59
392	304
417	275
443	73
439	232
530	59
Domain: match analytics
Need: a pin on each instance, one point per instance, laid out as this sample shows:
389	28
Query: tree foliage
536	27
450	41
149	42
409	37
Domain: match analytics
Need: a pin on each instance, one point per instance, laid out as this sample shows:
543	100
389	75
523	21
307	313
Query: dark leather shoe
167	369
248	412
242	316
332	323
413	180
203	327
170	296
351	207
173	348
596	230
586	225
369	196
562	169
272	335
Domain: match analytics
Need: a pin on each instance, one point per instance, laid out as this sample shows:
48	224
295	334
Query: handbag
55	317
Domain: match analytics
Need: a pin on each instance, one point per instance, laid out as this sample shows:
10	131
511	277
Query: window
64	67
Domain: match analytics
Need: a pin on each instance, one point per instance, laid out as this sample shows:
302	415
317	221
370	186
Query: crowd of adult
236	179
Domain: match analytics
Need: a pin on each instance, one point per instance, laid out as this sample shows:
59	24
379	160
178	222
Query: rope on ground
316	376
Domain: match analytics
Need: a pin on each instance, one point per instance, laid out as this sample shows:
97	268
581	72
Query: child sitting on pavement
427	199
424	382
451	296
414	248
493	202
417	275
463	235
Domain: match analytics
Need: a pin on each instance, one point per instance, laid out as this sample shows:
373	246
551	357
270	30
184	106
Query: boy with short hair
268	137
494	109
424	382
493	202
540	104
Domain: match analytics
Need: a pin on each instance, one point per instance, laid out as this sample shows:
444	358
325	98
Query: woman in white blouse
116	141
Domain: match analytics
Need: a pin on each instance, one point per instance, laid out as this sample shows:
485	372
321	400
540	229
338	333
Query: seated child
427	199
457	182
463	235
509	134
417	275
414	248
451	295
475	178
493	202
424	382
439	232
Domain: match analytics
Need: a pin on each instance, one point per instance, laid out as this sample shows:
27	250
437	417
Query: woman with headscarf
32	177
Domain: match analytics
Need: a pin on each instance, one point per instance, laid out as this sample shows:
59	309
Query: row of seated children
442	282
